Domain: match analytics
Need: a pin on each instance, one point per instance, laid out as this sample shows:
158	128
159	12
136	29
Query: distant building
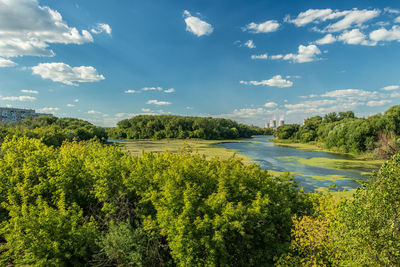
281	123
272	123
18	114
267	125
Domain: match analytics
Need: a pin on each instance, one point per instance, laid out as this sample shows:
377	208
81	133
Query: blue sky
250	61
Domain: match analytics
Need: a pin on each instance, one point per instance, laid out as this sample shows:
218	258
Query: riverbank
313	168
366	157
208	148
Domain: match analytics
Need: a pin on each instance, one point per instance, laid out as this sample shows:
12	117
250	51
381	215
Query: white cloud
397	20
29	91
159	103
196	25
170	90
18	98
310	104
276	81
26	28
93	112
354	37
262	56
61	72
7	63
391	10
276	56
250	44
152	88
265	27
386	35
311	15
48	109
130	91
327	39
378	103
270	105
352	94
102	27
349	18
76	100
70	105
391	87
147	110
305	54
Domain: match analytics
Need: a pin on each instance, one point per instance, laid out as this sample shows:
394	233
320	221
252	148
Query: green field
203	147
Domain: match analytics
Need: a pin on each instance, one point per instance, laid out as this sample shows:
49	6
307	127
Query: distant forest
182	127
346	133
52	130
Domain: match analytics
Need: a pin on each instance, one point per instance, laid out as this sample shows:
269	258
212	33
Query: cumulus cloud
152	88
305	54
391	87
26	28
147	110
276	57
262	56
76	100
29	91
275	81
93	112
156	102
264	27
397	20
18	98
352	18
345	19
61	72
170	90
48	109
70	105
270	105
379	103
130	91
327	39
354	37
197	26
311	15
7	63
351	93
383	34
250	44
102	27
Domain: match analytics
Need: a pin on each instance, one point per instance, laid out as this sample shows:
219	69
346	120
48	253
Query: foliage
344	132
371	220
286	131
313	238
181	127
53	130
86	202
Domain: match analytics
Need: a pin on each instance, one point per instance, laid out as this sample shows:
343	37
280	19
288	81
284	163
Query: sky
250	61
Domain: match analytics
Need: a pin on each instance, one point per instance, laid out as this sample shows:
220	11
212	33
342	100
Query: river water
311	169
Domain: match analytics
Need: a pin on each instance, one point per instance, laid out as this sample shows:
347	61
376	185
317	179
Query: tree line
346	133
53	130
182	127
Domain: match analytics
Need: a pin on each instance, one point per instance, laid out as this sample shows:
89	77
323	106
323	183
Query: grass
331	163
203	147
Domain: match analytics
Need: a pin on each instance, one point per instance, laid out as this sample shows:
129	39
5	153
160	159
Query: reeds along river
313	170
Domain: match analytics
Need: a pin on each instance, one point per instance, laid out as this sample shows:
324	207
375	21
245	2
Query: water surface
311	169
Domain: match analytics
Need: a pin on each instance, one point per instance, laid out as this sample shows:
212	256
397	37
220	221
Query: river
313	170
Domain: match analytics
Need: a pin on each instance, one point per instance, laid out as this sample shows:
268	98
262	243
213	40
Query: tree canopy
182	127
